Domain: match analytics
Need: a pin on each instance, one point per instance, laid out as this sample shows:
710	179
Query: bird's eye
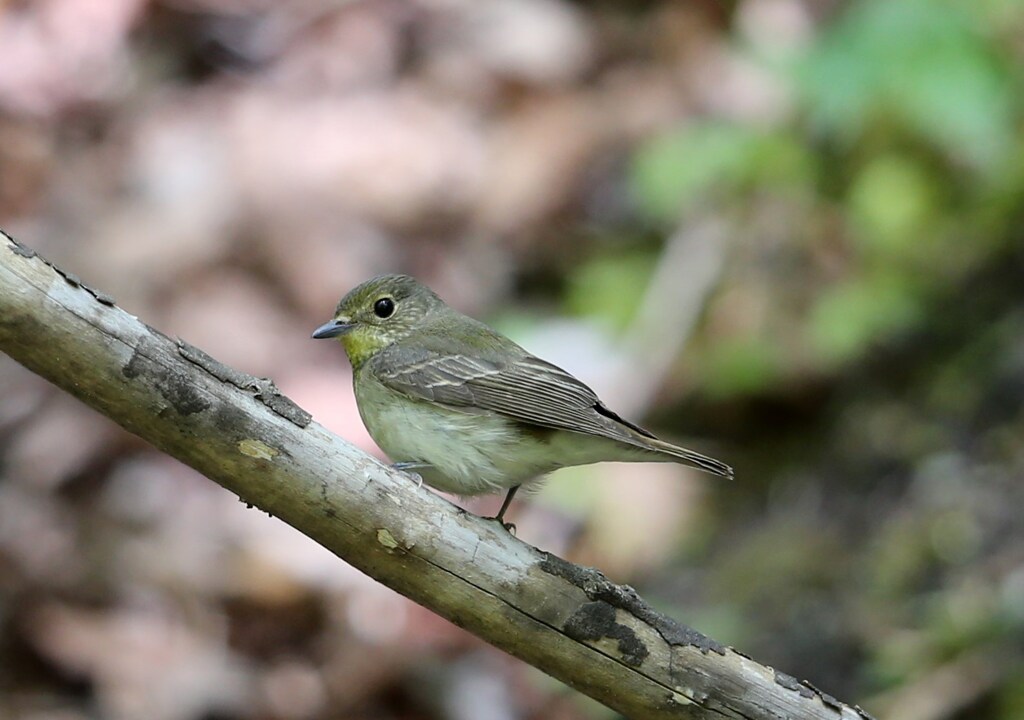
384	308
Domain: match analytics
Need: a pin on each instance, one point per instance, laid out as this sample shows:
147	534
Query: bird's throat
361	345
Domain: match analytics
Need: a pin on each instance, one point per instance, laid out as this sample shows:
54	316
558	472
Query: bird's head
378	313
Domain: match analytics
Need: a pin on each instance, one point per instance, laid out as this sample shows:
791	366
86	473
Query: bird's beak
334	328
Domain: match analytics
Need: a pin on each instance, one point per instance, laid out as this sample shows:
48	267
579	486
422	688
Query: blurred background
787	233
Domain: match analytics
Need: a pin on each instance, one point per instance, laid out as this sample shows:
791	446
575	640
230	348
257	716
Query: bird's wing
523	388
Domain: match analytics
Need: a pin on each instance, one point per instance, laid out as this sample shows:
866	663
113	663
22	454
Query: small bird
466	408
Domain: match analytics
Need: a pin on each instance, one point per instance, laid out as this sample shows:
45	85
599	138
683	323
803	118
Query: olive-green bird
466	408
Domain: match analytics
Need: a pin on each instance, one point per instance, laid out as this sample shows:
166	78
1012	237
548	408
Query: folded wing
524	388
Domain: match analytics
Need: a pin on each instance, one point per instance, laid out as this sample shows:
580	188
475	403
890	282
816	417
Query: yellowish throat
466	408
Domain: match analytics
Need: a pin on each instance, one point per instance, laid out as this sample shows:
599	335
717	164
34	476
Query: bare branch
567	620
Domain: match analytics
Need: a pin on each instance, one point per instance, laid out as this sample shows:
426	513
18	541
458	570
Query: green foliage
919	65
740	365
893	207
1011	699
674	172
849	316
610	287
916	108
886	204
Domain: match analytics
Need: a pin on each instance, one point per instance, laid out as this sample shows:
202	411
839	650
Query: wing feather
513	383
524	388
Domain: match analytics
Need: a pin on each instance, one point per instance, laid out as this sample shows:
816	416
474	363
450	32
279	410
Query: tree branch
567	620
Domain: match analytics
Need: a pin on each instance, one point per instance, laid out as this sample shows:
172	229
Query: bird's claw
510	527
409	468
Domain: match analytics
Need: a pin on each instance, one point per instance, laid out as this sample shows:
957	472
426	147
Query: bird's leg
500	517
409	468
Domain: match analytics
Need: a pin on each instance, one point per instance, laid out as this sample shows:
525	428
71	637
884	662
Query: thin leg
500	517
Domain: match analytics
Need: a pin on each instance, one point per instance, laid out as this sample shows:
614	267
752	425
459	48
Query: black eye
384	307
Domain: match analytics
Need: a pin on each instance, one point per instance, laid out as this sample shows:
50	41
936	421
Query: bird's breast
471	453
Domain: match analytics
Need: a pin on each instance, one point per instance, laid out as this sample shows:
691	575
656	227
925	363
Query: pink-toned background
713	212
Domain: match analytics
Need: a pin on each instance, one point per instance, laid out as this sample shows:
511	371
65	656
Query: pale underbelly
469	453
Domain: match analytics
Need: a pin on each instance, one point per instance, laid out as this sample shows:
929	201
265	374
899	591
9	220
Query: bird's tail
689	457
638	437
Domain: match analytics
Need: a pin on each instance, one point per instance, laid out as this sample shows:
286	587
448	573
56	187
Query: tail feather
644	439
689	457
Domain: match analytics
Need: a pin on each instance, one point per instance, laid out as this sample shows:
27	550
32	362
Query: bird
468	410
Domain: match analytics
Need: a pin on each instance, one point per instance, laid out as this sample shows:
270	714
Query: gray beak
333	329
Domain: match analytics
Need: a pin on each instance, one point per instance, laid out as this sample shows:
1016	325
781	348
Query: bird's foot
410	468
500	517
510	527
